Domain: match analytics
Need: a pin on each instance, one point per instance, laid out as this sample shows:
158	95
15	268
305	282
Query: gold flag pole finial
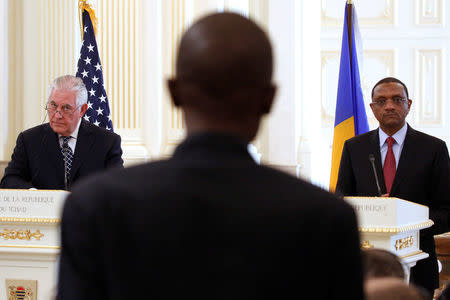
83	5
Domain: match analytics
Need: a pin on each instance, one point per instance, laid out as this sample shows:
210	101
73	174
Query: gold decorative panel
403	243
27	234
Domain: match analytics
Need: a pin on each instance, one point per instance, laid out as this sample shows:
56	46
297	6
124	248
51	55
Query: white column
280	128
293	128
31	74
3	78
153	81
309	90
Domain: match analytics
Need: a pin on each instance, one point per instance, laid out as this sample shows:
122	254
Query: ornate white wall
405	39
138	40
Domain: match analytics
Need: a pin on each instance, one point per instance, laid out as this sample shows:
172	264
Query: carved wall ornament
404	243
366	245
21	234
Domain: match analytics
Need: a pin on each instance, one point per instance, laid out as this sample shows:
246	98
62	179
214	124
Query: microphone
372	161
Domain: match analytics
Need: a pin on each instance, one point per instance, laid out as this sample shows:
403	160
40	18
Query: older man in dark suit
411	165
210	223
56	154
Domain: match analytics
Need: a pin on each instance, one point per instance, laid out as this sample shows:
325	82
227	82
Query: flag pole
350	117
349	27
83	5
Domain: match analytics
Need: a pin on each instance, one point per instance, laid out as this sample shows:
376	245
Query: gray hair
70	83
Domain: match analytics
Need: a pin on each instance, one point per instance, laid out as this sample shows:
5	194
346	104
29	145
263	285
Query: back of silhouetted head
224	52
381	263
392	288
223	79
390	79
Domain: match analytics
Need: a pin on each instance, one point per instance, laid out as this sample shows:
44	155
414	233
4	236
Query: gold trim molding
423	225
21	234
411	254
367	245
30	247
404	243
31	220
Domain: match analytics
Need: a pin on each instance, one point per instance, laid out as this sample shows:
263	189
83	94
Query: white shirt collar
74	134
399	136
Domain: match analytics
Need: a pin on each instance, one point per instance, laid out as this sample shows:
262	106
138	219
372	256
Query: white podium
392	224
29	242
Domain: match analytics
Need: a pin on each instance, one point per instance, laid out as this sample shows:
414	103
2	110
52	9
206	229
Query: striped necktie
68	157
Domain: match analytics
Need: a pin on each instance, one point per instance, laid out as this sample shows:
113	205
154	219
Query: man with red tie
411	165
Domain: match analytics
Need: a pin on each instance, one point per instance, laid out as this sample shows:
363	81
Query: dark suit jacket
37	160
208	223
423	176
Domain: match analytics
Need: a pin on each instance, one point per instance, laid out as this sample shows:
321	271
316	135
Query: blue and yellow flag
350	118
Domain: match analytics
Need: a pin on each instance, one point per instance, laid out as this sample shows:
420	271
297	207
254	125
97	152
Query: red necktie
389	165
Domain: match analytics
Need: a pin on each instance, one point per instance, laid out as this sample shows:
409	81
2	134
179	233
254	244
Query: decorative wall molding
330	75
371	13
376	62
179	14
429	86
119	39
429	12
61	42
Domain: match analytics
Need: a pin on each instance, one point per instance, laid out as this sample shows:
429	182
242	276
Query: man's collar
399	136
74	134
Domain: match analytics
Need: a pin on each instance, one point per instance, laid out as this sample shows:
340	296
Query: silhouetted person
391	288
210	223
381	263
445	293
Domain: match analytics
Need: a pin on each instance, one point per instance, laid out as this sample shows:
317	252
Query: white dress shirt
399	138
73	141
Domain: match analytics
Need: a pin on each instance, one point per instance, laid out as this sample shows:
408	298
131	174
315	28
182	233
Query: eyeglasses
64	109
396	100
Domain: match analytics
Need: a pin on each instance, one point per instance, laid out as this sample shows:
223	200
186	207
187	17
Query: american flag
90	70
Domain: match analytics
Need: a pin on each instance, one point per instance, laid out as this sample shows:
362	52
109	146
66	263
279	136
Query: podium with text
29	242
392	224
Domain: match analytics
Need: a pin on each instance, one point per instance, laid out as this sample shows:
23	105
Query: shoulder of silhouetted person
392	288
381	263
445	293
